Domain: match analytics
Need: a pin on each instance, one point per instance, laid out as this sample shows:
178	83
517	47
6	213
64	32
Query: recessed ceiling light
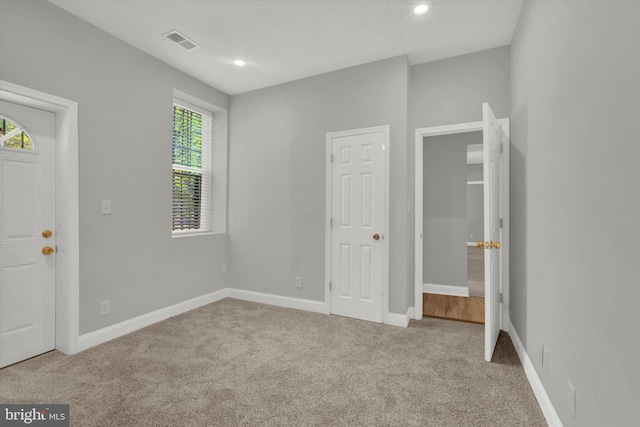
421	9
239	62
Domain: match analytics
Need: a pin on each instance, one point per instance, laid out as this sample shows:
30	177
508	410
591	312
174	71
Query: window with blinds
191	207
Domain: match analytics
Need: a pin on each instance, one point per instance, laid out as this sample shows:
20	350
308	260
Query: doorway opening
495	243
453	212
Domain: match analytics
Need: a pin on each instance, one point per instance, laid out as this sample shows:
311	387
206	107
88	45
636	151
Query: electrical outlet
105	308
572	399
545	360
224	267
299	282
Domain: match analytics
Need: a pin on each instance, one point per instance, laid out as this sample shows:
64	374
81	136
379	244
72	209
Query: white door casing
67	207
492	140
420	134
27	209
357	254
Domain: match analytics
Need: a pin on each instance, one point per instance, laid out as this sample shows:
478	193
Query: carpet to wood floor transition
465	309
236	363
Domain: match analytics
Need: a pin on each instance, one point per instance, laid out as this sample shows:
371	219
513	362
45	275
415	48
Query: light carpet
236	363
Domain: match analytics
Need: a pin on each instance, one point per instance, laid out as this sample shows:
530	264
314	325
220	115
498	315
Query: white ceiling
282	41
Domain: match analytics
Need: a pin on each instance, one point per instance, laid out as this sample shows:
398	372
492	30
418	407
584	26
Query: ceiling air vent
181	40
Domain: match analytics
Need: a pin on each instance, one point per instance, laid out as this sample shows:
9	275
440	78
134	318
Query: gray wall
445	208
277	175
475	204
574	161
474	170
475	213
452	91
125	108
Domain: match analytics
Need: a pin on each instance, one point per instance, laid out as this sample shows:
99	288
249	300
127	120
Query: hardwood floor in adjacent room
465	309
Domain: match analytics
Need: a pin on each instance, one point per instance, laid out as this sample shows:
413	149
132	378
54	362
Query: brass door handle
376	236
47	233
495	245
47	250
480	244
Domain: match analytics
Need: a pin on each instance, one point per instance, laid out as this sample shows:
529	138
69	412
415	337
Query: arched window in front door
13	135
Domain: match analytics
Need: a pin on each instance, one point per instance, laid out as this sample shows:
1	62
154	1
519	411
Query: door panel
27	208
492	137
357	263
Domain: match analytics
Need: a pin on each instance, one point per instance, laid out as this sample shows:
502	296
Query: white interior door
492	138
27	212
357	226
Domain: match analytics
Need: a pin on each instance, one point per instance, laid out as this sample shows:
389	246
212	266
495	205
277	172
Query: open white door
492	138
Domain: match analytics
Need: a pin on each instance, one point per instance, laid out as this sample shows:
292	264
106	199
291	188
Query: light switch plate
106	207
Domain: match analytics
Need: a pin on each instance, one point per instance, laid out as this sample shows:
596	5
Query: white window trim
217	164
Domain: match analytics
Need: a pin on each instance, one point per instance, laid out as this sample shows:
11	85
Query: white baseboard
114	331
280	301
457	291
402	320
393	319
411	312
109	333
548	410
471	243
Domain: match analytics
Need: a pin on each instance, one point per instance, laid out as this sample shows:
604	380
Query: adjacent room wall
575	203
125	107
474	170
445	208
452	91
475	204
277	175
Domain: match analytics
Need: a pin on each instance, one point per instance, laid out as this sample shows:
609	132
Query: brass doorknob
495	245
376	236
47	233
47	250
480	244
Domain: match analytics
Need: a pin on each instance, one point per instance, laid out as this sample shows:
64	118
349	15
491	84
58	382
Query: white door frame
67	208
385	233
420	134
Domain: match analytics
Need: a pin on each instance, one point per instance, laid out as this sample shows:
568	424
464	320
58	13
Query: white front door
358	254
493	136
27	232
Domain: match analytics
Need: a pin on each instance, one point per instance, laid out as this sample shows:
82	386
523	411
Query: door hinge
500	297
501	224
329	285
502	147
332	158
330	222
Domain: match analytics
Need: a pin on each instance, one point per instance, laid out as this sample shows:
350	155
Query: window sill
194	234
